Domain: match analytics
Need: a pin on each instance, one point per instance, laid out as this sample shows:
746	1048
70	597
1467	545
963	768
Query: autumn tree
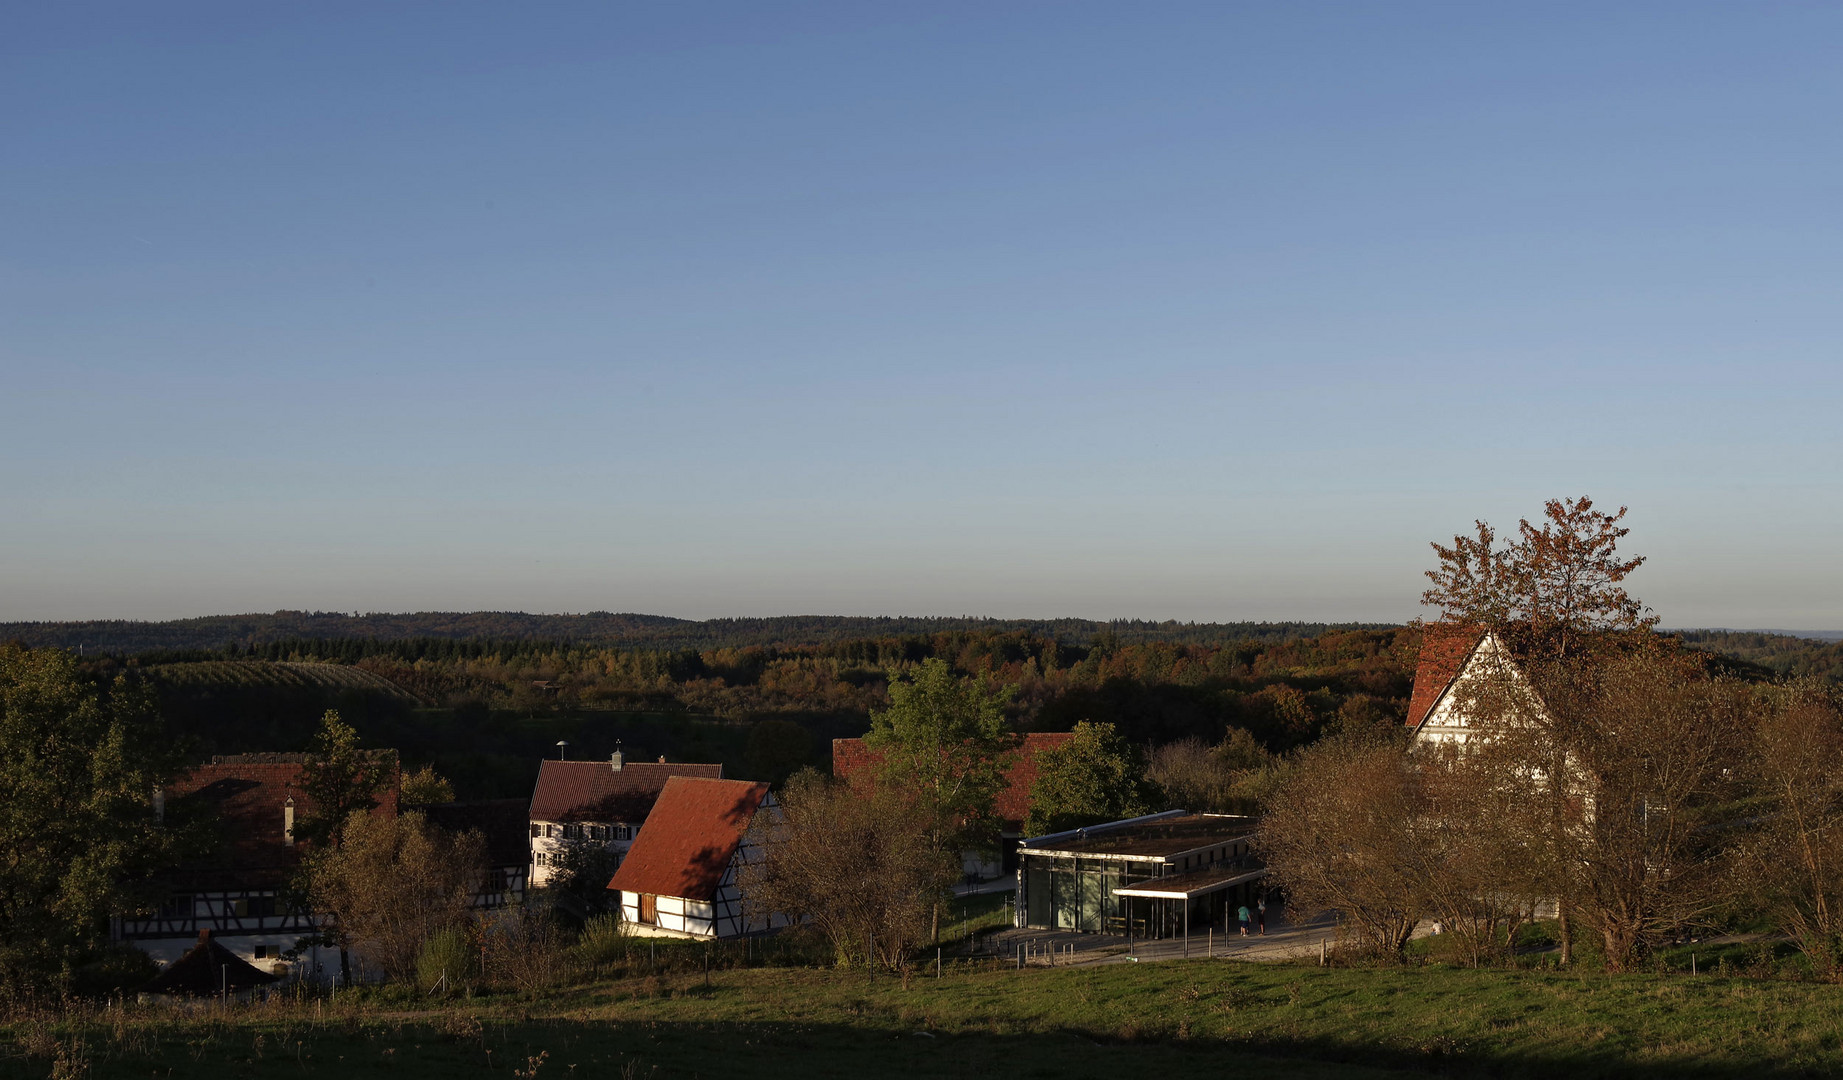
856	864
1346	832
1614	766
79	838
1095	776
1560	581
580	870
426	786
1235	776
1795	858
391	884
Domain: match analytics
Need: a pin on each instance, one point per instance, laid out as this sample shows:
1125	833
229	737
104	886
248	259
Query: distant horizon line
1813	633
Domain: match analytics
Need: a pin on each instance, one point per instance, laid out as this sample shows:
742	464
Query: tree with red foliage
1560	582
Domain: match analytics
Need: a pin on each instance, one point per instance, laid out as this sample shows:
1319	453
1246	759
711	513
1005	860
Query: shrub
446	960
603	941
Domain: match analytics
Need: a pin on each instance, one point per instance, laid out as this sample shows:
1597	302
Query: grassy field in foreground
1197	1018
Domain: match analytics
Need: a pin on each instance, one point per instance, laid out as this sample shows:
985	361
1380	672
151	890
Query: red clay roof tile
689	838
1444	649
596	791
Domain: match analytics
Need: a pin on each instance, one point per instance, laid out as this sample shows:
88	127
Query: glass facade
1078	894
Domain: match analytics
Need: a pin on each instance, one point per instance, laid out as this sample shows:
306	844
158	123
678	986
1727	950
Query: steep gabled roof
245	794
1445	648
597	791
208	968
690	837
500	822
853	760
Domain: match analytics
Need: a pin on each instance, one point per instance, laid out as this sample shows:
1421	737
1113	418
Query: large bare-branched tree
1344	833
1614	768
856	864
1795	860
391	884
1232	777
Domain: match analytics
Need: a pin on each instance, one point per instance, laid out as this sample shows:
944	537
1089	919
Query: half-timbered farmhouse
680	877
596	802
238	891
1450	655
853	761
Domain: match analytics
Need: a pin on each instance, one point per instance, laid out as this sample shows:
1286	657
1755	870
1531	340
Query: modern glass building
1152	876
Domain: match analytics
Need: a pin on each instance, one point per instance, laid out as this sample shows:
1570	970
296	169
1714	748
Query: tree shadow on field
769	1050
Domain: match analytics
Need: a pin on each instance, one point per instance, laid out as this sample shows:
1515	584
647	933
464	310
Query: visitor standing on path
1244	920
1260	915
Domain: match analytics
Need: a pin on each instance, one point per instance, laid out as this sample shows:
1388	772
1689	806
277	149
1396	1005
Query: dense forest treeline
485	711
124	637
1782	654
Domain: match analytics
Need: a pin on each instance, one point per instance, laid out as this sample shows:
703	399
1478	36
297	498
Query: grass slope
1198	1018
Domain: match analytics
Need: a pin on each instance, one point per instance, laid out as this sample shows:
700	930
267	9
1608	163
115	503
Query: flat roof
1196	883
1156	838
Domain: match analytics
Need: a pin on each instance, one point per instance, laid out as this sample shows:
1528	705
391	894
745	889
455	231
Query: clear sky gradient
1203	311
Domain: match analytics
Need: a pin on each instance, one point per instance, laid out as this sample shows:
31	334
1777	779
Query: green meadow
1195	1018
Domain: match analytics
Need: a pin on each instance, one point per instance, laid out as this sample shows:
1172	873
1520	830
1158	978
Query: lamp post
563	749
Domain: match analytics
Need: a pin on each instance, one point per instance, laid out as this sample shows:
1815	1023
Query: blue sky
1202	311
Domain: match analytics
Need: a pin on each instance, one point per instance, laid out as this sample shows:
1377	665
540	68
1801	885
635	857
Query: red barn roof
597	791
851	758
690	837
246	795
1445	647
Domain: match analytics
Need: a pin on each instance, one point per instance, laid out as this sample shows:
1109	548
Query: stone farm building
596	802
856	762
238	891
1155	876
679	878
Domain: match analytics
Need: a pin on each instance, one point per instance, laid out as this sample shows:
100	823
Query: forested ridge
485	708
125	637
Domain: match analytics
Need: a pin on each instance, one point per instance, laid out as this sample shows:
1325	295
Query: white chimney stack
616	759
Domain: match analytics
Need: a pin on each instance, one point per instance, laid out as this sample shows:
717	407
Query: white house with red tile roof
679	877
597	802
1453	654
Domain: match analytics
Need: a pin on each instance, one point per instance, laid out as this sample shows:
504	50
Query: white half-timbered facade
238	892
596	802
680	877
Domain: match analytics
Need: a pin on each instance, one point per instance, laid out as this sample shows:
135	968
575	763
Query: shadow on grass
768	1050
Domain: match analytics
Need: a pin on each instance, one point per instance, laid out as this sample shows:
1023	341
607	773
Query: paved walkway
1065	948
